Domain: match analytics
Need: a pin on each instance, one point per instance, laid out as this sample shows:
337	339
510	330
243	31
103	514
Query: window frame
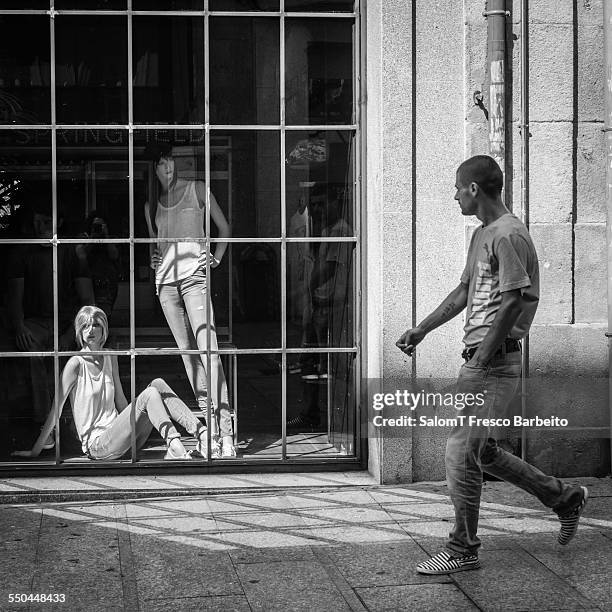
359	457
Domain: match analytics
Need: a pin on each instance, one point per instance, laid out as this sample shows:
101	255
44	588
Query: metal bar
245	13
496	42
358	211
164	127
253	240
524	52
151	127
20	127
24	12
283	212
270	465
499	12
207	230
305	15
56	373
177	351
75	127
95	13
130	58
235	395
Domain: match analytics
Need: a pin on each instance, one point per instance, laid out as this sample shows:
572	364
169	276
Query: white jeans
185	305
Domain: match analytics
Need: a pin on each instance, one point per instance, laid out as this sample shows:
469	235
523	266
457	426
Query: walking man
500	287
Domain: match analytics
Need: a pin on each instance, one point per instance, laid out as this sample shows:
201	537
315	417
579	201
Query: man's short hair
485	172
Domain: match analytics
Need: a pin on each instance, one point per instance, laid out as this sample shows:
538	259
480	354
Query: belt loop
503	348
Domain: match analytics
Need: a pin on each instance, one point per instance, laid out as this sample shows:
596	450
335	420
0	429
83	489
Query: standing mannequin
182	287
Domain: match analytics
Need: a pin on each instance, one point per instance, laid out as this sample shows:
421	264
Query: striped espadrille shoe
570	520
445	563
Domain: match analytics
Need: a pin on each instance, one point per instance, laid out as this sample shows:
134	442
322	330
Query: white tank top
183	220
93	401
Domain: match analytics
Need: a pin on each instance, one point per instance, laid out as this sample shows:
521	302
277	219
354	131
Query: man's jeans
470	451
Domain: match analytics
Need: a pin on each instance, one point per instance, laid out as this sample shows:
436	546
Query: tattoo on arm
448	309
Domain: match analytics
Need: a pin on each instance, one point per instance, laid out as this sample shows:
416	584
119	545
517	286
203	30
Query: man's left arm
509	311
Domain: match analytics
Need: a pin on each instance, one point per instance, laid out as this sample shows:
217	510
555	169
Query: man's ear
474	189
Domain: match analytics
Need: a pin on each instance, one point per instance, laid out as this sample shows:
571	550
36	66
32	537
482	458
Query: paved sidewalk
327	547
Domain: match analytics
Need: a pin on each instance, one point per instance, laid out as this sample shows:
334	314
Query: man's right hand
24	339
409	339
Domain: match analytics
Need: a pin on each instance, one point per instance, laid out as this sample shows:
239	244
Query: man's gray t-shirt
501	258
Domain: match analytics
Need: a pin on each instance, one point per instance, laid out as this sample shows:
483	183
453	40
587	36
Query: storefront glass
192	169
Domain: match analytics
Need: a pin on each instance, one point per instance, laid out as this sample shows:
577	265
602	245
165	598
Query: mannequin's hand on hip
155	259
214	262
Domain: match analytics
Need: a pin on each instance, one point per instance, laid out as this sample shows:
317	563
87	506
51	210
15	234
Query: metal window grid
282	128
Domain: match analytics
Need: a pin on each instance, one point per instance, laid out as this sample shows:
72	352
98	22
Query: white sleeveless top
93	401
183	220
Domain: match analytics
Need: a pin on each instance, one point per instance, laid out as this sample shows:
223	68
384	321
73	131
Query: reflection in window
244	92
320	5
168	69
318	161
236	306
90	5
25	4
91	71
20	386
256	295
319	71
25	75
29	290
168	5
245	178
320	292
92	172
258	404
320	404
25	176
243	5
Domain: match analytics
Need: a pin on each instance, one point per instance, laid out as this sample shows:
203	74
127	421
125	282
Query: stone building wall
424	62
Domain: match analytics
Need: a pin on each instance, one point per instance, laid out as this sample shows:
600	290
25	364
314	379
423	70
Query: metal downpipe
496	47
525	135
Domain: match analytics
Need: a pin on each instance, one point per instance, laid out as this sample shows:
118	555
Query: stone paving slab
222	603
425	598
503	570
19	534
168	569
268	554
373	565
79	558
290	585
304	549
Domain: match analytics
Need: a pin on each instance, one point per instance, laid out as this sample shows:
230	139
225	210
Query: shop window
25	76
168	61
206	201
115	5
90	70
243	5
319	74
320	5
168	5
244	71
